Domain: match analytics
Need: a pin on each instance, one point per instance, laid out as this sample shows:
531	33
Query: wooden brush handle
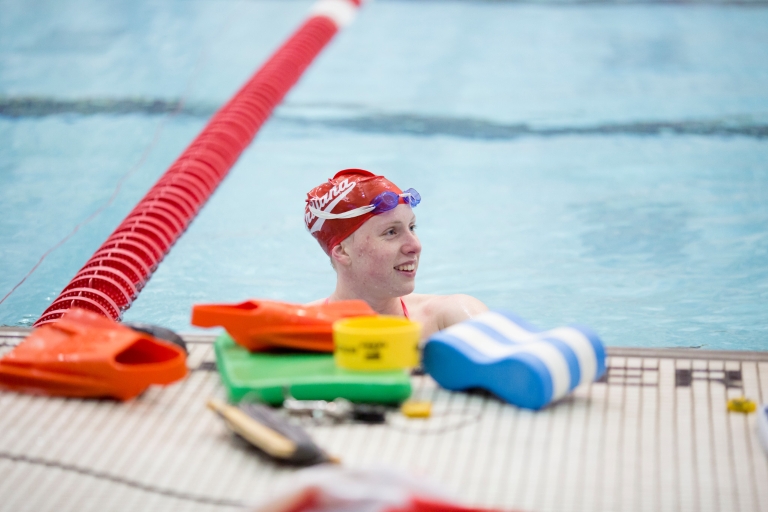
254	432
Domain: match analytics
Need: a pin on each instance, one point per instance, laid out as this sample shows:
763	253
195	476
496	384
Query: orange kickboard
262	324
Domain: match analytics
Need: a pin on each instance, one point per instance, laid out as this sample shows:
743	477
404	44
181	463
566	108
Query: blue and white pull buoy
502	353
762	425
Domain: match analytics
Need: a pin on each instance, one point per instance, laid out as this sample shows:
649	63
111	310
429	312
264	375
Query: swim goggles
381	203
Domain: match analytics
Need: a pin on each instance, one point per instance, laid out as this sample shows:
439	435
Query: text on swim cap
333	196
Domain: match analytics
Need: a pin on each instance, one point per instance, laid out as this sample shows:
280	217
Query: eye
413	228
391	232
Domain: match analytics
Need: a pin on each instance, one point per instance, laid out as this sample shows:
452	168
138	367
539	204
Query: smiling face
382	256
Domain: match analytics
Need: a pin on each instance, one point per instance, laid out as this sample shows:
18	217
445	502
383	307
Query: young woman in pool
366	224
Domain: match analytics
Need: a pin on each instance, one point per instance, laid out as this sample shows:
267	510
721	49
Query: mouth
407	268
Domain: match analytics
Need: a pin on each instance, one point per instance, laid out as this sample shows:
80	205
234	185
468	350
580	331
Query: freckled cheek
364	249
379	263
375	261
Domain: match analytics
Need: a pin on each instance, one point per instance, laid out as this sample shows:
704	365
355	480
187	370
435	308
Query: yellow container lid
376	343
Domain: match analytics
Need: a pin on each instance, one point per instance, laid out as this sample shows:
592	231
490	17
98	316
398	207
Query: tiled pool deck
654	435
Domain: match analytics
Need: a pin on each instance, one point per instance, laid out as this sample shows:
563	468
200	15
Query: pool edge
13	335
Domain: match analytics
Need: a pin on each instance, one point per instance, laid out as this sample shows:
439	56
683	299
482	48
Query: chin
407	289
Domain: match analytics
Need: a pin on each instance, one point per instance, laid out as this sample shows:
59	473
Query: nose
412	245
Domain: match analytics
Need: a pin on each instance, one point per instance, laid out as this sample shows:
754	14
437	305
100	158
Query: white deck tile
566	489
467	469
497	467
548	484
514	475
540	468
666	449
688	459
635	443
762	381
755	373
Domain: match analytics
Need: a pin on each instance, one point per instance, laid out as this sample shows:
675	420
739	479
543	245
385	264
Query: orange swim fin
261	324
86	355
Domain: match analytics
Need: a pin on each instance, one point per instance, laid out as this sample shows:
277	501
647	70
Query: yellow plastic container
376	343
741	404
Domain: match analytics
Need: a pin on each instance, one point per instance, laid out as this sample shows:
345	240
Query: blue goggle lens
388	200
385	202
413	198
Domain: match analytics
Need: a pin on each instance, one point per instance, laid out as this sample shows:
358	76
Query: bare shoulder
459	307
441	302
437	312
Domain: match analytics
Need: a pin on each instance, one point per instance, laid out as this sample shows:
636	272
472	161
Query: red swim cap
347	190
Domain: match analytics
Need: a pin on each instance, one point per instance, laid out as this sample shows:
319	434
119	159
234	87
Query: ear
340	256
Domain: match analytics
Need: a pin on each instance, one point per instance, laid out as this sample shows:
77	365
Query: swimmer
367	227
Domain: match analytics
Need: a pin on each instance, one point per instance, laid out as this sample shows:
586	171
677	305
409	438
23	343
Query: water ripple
470	128
367	121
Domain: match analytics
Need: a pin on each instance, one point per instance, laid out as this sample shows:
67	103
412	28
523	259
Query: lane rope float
130	255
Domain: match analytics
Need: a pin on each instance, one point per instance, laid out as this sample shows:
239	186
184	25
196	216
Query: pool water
601	164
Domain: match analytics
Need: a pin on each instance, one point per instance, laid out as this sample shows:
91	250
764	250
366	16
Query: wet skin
378	264
381	258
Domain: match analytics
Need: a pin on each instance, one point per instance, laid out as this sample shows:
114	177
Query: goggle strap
357	211
344	215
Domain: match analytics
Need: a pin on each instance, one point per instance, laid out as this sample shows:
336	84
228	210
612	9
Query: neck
381	305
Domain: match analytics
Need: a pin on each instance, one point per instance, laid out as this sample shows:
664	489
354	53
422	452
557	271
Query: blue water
601	164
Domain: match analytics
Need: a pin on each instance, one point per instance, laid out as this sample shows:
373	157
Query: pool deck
654	434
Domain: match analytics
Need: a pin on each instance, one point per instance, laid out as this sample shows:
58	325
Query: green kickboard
264	376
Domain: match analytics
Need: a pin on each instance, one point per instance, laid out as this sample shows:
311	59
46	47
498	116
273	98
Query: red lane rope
111	279
142	159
